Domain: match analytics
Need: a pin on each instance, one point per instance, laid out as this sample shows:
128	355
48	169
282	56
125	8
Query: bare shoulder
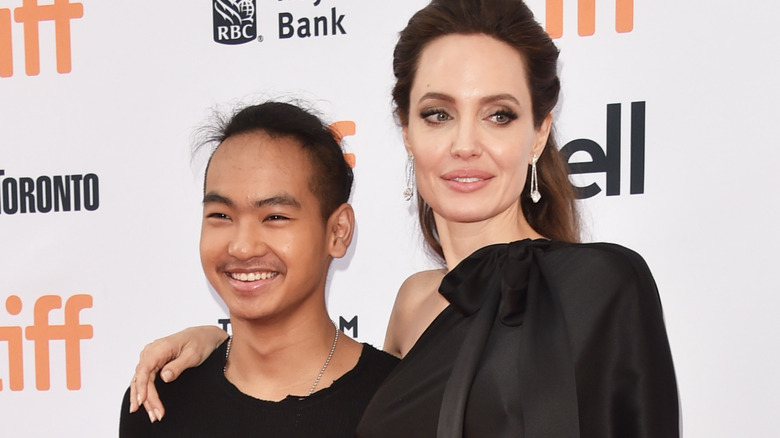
416	306
418	286
418	292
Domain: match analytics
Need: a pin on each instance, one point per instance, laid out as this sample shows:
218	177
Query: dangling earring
409	192
535	195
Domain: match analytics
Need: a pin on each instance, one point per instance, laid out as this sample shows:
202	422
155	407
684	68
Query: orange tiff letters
340	130
41	332
586	17
31	14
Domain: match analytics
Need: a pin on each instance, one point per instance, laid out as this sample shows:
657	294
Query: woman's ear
405	132
542	134
340	227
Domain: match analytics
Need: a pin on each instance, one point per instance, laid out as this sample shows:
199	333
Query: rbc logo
235	21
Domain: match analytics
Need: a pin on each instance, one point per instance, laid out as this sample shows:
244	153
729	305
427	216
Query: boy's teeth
252	276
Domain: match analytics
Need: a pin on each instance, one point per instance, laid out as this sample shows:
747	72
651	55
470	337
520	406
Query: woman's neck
458	239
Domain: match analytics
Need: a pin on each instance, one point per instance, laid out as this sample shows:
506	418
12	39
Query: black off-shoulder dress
541	339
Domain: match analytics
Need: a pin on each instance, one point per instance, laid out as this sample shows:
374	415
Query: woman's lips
467	180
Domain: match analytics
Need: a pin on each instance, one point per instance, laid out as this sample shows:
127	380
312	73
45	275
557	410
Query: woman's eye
435	116
503	117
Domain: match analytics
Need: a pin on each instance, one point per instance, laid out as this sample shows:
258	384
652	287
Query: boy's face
263	245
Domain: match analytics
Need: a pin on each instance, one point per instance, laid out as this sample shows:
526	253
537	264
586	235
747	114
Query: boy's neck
271	360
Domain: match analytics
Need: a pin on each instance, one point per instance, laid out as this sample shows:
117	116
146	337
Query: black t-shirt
203	403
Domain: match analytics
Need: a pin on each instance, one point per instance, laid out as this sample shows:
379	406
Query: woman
528	334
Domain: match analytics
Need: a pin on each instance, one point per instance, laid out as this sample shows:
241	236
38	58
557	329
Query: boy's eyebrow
214	197
282	199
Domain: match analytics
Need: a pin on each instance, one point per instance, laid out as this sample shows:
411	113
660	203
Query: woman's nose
466	143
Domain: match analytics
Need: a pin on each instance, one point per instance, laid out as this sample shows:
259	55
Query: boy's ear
341	225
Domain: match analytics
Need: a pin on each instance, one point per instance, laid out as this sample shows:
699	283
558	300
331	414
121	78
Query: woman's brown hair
510	21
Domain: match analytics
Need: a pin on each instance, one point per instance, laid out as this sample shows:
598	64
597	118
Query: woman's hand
170	356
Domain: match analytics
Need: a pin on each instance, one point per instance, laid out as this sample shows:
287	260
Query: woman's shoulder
605	249
417	285
602	285
592	272
416	306
420	293
597	258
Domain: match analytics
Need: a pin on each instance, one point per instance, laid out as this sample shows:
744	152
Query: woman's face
471	128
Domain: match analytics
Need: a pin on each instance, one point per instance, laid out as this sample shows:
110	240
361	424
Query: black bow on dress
505	283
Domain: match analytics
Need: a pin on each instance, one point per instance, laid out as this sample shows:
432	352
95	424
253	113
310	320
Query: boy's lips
249	277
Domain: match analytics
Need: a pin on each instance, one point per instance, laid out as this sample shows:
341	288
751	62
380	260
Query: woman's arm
170	356
647	367
625	376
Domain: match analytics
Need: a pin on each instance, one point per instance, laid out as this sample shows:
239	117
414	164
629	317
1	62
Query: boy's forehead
260	164
259	152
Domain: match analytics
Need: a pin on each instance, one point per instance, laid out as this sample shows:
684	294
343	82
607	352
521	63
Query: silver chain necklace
322	371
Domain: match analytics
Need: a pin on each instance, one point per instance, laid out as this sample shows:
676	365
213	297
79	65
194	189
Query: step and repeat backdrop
673	102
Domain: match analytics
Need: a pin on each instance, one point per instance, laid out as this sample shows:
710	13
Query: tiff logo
41	332
31	14
586	17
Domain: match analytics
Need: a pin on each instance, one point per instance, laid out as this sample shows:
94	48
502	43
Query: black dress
541	339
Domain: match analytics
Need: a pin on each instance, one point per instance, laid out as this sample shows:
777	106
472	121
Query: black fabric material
202	403
542	339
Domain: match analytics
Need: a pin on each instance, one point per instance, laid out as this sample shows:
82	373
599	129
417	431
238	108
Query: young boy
275	214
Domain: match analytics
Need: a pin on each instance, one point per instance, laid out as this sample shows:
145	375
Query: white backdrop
145	74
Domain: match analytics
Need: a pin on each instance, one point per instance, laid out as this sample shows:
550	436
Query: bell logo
41	332
30	14
586	17
608	161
